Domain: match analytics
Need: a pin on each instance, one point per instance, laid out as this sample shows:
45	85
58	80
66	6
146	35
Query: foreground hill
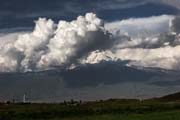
112	109
172	97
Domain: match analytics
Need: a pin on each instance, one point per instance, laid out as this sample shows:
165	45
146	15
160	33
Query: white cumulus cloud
141	27
86	41
53	45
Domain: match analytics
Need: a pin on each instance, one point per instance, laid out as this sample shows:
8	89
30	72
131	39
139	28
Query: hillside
172	97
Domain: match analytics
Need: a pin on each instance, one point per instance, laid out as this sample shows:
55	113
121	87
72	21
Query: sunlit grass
103	110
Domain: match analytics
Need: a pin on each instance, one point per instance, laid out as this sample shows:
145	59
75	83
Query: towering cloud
51	44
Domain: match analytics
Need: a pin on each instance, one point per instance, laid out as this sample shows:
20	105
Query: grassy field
173	115
99	110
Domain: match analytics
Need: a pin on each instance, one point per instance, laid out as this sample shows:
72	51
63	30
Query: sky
55	50
21	13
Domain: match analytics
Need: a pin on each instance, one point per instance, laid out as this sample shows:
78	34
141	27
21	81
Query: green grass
173	115
104	110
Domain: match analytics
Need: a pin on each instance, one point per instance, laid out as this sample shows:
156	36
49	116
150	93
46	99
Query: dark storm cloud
20	13
176	24
167	83
88	82
174	3
38	6
108	73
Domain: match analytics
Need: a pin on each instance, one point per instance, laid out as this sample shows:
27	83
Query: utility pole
24	98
